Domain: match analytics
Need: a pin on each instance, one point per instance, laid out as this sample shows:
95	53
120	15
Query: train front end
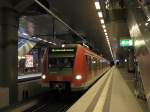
58	68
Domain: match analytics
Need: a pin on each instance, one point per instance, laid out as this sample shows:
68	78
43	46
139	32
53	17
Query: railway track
55	104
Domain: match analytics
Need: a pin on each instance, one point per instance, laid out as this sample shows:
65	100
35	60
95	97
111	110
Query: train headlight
78	77
43	76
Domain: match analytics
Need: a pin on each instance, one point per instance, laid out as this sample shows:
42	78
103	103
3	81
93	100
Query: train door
88	60
93	66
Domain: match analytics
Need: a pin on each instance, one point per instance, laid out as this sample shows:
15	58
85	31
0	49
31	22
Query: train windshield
61	62
61	58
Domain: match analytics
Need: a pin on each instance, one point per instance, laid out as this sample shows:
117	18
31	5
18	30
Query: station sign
126	42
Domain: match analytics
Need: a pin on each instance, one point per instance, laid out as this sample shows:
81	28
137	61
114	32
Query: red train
72	66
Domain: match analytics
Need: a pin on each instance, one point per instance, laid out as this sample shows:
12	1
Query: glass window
61	62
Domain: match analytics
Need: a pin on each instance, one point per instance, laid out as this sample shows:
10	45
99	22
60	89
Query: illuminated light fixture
100	14
21	57
93	62
39	38
125	60
102	21
146	24
43	76
45	40
78	77
105	30
148	19
25	34
139	42
103	26
34	37
63	45
106	34
97	5
54	43
50	42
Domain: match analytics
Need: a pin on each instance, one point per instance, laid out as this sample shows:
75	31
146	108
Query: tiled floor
122	97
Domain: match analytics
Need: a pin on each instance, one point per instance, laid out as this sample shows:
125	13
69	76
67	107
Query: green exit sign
126	42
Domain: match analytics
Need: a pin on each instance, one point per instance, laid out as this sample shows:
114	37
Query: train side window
89	61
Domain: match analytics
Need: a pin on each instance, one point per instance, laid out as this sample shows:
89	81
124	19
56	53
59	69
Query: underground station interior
74	55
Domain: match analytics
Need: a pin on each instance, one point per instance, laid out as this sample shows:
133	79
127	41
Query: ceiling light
106	34
103	26
54	43
100	14
105	30
45	40
39	38
146	24
25	34
97	5
102	21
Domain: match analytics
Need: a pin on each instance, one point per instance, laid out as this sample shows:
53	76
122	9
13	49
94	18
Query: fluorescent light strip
103	26
97	5
45	40
54	43
146	24
39	38
102	21
100	14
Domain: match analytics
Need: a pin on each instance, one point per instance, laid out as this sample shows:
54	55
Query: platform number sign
29	61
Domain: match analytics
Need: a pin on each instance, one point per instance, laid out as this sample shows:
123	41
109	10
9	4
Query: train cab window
60	62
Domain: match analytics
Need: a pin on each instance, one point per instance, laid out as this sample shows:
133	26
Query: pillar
9	22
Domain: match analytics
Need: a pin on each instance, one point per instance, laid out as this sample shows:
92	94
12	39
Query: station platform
122	96
113	92
116	95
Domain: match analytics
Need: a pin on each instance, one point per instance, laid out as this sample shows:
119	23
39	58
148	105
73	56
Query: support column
9	22
131	67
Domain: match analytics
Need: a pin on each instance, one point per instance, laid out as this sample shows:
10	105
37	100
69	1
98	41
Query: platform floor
122	96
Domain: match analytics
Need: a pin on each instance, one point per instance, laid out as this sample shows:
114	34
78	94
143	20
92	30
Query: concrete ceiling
82	16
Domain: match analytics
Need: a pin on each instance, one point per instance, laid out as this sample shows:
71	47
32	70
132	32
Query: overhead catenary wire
59	19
